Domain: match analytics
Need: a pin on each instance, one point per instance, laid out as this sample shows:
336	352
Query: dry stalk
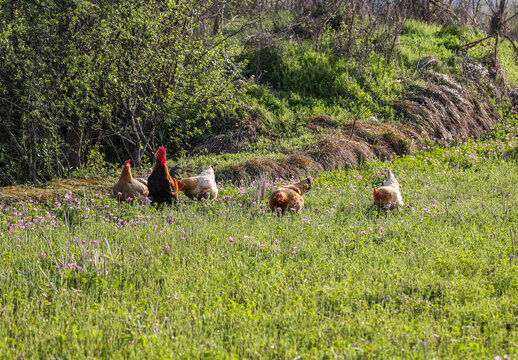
513	242
449	213
260	187
488	209
505	203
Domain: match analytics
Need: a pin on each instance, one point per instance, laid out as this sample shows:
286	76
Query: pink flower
231	239
167	247
43	255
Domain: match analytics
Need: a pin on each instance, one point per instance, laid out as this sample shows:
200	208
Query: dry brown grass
318	122
248	131
444	109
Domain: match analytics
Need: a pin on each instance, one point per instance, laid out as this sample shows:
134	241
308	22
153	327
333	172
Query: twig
156	307
505	203
51	250
109	250
46	276
512	43
141	247
491	211
352	128
449	213
242	28
513	242
474	43
463	203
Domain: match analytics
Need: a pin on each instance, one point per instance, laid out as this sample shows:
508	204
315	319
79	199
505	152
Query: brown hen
128	188
290	196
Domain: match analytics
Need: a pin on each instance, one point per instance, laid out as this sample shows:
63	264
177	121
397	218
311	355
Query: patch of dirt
54	189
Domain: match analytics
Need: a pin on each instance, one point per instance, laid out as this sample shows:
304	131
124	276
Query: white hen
203	185
388	195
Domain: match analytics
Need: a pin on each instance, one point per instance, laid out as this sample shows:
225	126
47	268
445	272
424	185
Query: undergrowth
298	80
295	81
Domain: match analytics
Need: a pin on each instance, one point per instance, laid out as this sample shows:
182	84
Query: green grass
507	59
419	40
228	279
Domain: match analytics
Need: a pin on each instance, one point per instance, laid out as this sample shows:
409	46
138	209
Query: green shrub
127	76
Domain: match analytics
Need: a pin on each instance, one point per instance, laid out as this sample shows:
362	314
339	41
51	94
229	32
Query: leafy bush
124	76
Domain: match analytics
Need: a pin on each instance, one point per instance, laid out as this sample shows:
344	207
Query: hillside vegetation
308	85
320	110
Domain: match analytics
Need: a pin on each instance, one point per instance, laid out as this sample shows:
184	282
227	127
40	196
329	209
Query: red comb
127	162
374	193
161	151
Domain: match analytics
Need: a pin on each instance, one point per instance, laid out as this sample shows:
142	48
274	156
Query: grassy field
86	277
